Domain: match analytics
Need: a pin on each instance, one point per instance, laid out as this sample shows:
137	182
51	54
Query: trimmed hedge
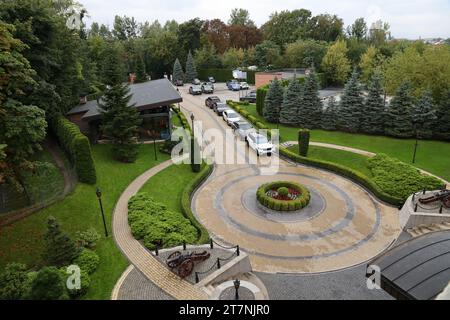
77	148
303	142
280	205
346	172
203	236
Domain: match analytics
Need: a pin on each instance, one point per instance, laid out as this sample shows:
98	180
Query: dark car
251	97
220	107
179	83
210	101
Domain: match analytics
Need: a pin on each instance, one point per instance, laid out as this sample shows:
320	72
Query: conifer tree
291	103
330	115
442	124
273	102
191	70
59	250
310	112
177	73
398	120
141	75
352	105
120	122
373	117
424	116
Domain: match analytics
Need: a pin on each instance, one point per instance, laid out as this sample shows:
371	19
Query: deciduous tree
335	64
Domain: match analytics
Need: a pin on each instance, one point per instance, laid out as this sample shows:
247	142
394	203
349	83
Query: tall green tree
240	17
423	115
59	250
330	115
374	116
398	121
120	122
335	63
305	53
141	74
191	69
358	29
273	102
351	109
178	73
369	63
442	124
113	71
291	103
310	112
267	54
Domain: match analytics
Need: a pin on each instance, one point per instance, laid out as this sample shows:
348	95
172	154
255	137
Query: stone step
424	229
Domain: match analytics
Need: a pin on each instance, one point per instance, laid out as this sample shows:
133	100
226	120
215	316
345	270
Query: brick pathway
142	260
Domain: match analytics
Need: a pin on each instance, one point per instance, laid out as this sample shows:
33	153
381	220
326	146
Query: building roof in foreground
144	96
417	269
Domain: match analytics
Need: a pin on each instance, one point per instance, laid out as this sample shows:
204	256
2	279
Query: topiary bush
87	260
282	188
87	239
303	142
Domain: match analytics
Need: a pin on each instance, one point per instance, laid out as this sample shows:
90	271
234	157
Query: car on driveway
230	116
242	129
210	101
207	87
244	86
260	144
196	82
234	86
251	97
220	107
195	90
179	83
211	79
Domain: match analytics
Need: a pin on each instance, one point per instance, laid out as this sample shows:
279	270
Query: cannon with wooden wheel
442	196
184	263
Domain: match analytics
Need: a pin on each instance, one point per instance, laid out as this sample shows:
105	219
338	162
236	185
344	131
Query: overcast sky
408	18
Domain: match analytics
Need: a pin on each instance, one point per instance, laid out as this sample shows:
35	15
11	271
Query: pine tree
141	75
310	112
191	70
423	115
442	124
178	73
398	118
330	114
120	122
373	117
59	250
273	102
352	105
291	103
113	68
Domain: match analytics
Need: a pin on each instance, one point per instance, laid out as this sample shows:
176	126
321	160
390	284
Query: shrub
303	142
87	260
282	188
87	239
400	179
13	281
47	285
77	148
283	191
85	282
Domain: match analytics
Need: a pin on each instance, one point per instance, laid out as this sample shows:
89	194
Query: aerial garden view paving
303	155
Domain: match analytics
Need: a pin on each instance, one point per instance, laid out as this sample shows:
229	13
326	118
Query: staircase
424	229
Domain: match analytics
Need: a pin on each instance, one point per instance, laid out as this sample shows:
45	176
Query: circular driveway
342	227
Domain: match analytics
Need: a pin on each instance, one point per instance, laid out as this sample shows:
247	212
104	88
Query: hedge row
223	75
347	172
203	236
77	148
278	205
184	121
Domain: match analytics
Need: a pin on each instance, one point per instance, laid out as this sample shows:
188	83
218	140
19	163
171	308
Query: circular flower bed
283	196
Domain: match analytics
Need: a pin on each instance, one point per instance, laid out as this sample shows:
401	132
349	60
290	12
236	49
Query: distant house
152	99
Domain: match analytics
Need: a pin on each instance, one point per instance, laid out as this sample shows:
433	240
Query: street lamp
99	196
237	284
416	144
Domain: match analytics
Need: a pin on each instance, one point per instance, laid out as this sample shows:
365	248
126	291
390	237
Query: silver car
242	129
220	107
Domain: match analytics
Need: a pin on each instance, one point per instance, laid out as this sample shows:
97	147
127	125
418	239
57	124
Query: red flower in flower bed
293	194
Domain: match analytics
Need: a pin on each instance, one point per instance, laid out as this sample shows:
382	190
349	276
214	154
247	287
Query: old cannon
442	196
185	262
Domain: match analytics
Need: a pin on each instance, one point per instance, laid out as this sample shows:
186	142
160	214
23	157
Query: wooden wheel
172	261
186	268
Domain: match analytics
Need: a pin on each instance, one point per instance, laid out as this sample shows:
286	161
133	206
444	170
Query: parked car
210	101
179	83
231	116
251	97
242	129
244	86
195	90
234	86
220	107
207	87
211	79
196	82
260	144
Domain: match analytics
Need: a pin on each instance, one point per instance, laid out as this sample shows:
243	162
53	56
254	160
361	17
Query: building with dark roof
151	99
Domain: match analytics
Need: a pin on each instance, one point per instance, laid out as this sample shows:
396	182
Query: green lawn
167	186
349	159
23	241
433	156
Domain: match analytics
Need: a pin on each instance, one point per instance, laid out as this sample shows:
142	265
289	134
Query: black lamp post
99	196
154	147
193	118
237	284
416	145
